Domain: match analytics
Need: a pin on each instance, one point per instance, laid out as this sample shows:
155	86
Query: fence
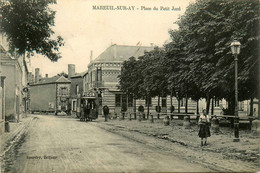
184	116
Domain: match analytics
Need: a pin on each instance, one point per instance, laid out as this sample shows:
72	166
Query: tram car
88	107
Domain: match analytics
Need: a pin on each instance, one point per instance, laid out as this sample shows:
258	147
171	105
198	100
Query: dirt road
55	144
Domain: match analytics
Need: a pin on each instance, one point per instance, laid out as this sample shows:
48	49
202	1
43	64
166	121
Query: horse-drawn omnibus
87	108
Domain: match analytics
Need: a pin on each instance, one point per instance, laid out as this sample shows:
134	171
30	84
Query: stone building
15	70
76	88
103	76
50	94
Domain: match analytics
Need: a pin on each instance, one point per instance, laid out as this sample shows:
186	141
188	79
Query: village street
61	144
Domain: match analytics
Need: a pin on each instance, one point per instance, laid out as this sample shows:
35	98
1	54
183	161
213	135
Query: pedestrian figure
87	111
141	112
82	112
141	108
204	131
106	111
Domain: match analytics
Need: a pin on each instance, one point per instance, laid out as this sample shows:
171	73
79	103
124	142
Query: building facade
103	74
76	88
15	70
50	95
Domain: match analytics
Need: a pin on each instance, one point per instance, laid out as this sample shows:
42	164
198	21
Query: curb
14	136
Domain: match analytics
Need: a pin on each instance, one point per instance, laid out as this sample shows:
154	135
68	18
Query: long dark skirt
204	131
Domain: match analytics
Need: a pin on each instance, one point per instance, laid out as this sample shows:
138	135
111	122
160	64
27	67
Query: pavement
221	152
100	146
63	144
16	131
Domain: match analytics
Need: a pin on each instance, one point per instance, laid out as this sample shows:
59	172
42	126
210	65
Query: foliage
63	74
145	76
206	31
154	72
130	78
198	62
27	25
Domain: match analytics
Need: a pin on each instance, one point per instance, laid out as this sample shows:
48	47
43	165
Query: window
86	87
164	103
124	99
77	89
74	105
148	101
63	91
90	77
99	74
118	100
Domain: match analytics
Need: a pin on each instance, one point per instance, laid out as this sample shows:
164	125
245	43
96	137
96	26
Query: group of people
86	108
204	121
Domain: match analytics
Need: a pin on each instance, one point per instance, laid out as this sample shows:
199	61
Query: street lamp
235	48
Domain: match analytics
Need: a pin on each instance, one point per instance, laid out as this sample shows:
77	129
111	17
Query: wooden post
151	118
134	108
212	106
186	104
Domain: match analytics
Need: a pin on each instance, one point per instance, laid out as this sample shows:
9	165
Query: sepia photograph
129	86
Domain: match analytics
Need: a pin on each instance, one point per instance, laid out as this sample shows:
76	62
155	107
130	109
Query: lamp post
235	48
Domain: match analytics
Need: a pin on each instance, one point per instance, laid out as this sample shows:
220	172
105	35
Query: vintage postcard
129	86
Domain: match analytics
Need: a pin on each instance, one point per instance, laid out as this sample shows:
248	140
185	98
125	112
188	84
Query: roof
55	79
122	52
79	74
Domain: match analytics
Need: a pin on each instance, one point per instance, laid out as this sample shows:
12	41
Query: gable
62	79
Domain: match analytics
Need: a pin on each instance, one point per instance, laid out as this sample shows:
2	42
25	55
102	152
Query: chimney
46	75
37	73
91	55
71	70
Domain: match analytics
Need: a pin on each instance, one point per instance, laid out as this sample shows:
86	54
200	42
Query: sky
84	29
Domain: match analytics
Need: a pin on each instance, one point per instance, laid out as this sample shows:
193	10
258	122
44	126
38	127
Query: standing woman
204	131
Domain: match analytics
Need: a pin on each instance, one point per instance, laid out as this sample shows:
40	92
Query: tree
27	25
180	72
207	29
128	76
154	73
63	74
